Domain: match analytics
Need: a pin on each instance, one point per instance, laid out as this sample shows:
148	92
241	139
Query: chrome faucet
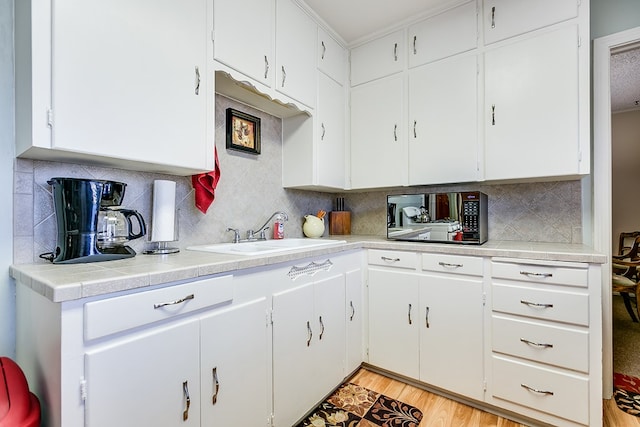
251	235
236	234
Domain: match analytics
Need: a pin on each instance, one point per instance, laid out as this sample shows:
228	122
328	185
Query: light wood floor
443	412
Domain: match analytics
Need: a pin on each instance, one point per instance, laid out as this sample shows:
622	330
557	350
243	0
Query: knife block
339	222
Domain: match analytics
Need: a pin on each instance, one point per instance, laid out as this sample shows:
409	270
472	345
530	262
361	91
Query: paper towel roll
164	211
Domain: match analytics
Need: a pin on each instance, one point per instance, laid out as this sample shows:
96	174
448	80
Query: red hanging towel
205	186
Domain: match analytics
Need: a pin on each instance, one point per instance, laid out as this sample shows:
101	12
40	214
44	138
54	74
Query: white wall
611	16
7	288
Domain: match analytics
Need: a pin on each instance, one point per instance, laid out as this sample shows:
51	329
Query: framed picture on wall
243	132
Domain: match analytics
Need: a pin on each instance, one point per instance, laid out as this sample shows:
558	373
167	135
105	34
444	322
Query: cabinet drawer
541	273
554	345
117	314
393	258
569	307
453	264
551	391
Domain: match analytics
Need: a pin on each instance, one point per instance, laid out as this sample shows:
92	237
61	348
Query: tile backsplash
250	190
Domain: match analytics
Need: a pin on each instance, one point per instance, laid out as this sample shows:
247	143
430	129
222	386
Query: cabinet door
394	321
296	70
355	320
243	37
504	18
378	144
378	58
235	365
532	107
332	57
150	379
330	134
443	137
329	353
451	334
294	332
130	81
443	35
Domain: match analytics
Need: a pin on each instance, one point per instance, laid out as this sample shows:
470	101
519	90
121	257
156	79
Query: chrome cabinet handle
415	134
446	264
395	132
384	258
535	304
415	38
409	315
550	393
353	311
197	80
324	50
214	398
323	132
395	52
535	344
284	75
493	114
321	328
528	273
493	17
426	318
266	66
178	301
310	334
185	391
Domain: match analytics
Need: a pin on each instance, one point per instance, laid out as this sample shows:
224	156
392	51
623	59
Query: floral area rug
626	392
356	406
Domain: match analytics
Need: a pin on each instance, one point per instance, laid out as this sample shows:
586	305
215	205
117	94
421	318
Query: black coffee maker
78	205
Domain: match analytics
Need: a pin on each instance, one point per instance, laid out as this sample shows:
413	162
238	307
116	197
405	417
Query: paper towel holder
164	221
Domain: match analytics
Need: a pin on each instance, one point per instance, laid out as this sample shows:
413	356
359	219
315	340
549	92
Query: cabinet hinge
484	299
484	385
271	422
213	35
579	156
270	317
579	41
49	117
83	389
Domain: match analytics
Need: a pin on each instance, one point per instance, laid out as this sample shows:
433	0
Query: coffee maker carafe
80	207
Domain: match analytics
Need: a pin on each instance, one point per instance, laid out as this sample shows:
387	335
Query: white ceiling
355	20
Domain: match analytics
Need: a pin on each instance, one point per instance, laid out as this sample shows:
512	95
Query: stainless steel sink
261	247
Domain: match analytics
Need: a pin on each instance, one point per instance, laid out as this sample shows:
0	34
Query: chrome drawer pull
535	304
549	393
353	311
409	315
214	398
178	301
535	344
528	273
321	328
448	265
426	317
185	391
310	334
384	258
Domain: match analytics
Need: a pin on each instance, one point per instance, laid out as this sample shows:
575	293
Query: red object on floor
18	406
205	186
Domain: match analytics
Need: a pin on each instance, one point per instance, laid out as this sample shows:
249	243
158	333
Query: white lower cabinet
355	318
308	346
235	365
150	379
423	323
545	341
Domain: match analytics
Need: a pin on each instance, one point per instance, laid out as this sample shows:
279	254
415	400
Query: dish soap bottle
278	228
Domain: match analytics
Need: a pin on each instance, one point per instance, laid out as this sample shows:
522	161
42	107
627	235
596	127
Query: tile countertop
61	283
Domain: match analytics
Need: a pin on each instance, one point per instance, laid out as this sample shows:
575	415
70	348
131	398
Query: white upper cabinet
296	35
120	83
378	141
443	35
532	107
508	18
378	58
331	56
443	128
243	36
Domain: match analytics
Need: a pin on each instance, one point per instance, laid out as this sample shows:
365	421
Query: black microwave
459	217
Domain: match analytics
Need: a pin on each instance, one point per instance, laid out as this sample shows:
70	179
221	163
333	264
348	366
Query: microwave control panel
470	212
